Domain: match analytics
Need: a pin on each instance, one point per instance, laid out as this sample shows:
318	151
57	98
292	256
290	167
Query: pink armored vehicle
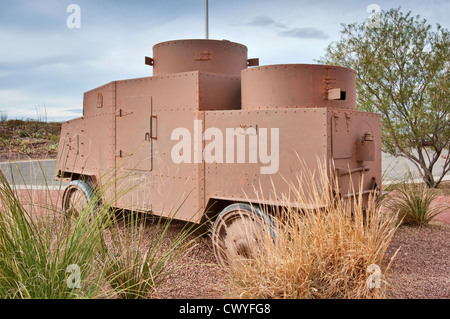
208	128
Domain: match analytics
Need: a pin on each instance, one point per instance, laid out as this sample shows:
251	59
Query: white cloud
20	104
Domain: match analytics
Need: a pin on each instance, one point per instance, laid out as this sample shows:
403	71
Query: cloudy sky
45	66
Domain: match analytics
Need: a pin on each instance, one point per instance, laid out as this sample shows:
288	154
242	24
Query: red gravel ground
420	269
443	201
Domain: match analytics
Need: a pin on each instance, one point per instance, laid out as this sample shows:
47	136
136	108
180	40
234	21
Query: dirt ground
39	153
420	269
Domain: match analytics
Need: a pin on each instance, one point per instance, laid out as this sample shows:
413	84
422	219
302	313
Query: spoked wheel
76	198
239	233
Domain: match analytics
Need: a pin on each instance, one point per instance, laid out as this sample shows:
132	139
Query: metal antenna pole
207	20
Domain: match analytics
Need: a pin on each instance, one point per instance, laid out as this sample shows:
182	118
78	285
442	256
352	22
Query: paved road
37	174
41	173
397	168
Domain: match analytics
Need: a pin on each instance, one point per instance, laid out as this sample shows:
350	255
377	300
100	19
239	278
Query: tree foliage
402	66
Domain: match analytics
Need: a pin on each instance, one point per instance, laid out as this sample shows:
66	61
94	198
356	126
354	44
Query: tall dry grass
321	252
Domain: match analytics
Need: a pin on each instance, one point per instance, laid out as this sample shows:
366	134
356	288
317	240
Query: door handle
153	135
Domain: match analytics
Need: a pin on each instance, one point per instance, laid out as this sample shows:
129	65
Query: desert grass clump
323	247
140	251
42	256
95	253
412	202
136	260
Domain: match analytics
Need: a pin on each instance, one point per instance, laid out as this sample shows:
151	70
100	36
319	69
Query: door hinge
122	112
121	153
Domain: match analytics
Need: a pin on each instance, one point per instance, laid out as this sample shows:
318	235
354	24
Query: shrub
40	252
44	254
412	202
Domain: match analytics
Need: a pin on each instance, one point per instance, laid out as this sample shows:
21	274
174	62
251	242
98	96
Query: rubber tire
229	248
76	186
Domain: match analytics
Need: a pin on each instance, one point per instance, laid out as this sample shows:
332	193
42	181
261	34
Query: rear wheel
76	198
239	232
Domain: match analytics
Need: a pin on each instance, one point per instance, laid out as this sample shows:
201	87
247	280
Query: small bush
412	202
40	252
54	128
14	124
46	255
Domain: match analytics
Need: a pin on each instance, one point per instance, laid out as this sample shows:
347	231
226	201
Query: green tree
402	66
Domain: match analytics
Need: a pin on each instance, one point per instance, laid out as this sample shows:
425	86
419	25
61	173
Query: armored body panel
208	129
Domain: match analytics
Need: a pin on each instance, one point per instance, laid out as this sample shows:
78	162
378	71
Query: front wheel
76	198
239	232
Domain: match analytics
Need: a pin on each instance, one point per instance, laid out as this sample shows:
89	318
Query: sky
48	58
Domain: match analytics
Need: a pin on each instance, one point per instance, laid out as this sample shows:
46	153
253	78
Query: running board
347	171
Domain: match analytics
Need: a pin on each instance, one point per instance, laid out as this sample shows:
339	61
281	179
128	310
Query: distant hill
28	139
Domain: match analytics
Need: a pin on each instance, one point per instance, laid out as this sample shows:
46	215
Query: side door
133	145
